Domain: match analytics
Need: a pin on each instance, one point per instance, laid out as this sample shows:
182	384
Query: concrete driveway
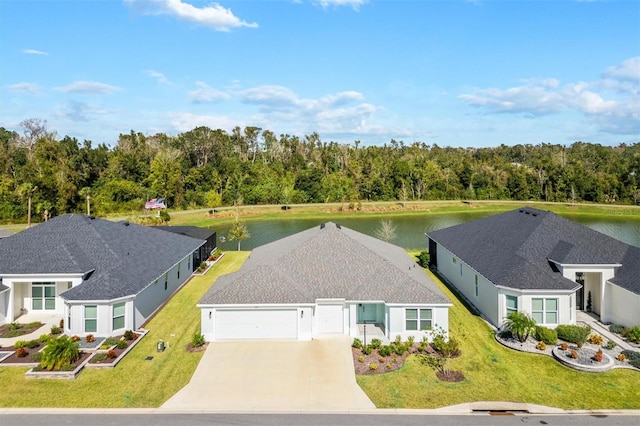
274	376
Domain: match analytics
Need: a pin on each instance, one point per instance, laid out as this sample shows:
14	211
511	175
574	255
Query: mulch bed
452	376
191	348
384	364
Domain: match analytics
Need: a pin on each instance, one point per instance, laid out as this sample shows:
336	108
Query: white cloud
31	88
184	121
214	15
269	95
88	88
612	102
158	76
34	52
355	4
78	111
206	94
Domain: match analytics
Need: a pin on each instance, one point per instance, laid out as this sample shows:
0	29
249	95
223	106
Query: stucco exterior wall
156	293
397	321
627	306
463	277
75	322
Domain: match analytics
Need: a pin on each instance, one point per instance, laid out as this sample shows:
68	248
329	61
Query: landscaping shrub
388	366
122	344
99	357
423	259
616	328
44	338
89	338
633	357
541	346
574	354
598	355
633	334
21	352
373	366
357	343
381	360
574	333
75	338
59	353
112	354
128	335
32	344
367	350
621	357
55	330
108	342
611	344
564	346
596	339
410	341
376	343
197	340
20	344
61	324
385	350
520	324
36	357
361	358
546	335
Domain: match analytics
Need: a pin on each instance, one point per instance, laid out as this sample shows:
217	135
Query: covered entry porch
371	321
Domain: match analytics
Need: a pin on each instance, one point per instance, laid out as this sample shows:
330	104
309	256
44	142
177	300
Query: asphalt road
160	419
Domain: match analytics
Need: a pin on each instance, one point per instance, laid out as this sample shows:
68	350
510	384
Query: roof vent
338	226
322	226
125	223
534	214
527	213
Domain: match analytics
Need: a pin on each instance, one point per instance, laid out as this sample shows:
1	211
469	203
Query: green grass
495	373
134	382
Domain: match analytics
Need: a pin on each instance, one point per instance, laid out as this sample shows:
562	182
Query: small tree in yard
520	325
238	232
447	348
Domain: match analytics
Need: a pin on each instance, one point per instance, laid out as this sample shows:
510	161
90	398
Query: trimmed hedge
574	333
546	335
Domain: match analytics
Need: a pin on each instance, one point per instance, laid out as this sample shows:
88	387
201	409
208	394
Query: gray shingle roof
326	261
514	249
123	257
189	231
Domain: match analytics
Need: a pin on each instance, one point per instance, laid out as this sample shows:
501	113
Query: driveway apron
317	375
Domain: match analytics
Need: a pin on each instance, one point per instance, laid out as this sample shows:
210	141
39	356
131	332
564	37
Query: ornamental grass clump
59	353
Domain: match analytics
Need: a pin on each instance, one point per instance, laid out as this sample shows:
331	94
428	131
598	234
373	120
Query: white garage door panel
256	324
330	318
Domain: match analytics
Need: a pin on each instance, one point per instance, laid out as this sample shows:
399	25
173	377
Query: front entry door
366	313
580	291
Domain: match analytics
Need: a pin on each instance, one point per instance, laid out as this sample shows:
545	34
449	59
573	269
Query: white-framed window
512	304
118	315
43	296
544	311
454	260
90	318
418	319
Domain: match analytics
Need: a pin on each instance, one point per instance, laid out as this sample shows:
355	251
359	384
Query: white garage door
256	324
330	318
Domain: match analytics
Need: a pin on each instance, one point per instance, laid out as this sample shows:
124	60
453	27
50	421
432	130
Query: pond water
410	230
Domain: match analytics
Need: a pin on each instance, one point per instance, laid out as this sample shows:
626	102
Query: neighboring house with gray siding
325	280
102	277
540	263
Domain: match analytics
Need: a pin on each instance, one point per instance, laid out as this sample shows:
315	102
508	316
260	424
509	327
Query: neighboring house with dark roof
539	263
196	232
102	277
325	280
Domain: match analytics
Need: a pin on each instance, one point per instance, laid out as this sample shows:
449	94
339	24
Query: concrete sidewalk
47	320
274	376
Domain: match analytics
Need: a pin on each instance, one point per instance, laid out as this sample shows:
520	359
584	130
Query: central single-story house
540	263
101	277
325	280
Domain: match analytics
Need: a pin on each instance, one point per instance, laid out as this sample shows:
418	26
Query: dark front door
580	292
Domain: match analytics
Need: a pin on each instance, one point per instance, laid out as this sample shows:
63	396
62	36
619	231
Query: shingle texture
119	258
517	249
326	262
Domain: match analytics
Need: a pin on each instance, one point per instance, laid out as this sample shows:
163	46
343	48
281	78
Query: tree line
209	168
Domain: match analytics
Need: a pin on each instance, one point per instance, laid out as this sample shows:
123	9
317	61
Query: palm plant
59	353
520	325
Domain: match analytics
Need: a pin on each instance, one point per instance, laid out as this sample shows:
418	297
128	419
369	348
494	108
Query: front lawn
495	373
135	382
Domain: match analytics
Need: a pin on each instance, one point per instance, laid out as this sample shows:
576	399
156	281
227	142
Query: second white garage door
256	324
330	318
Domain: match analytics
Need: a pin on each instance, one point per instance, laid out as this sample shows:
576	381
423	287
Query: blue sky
456	73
